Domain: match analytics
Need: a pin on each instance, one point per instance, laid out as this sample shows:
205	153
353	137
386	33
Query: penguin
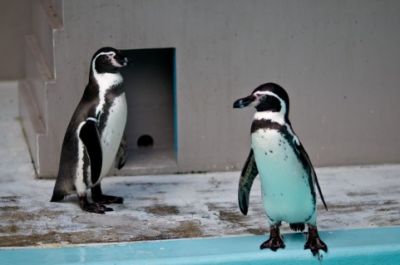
288	179
94	135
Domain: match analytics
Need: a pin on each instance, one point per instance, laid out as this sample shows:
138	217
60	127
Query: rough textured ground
170	206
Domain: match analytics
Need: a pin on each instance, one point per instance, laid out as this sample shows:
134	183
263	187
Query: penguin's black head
267	97
108	60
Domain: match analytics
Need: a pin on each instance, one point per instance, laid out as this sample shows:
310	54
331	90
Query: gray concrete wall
337	59
15	23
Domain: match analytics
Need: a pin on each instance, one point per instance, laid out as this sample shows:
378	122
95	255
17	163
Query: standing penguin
288	178
94	134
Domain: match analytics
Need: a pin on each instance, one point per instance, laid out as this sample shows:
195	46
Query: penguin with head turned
94	134
288	179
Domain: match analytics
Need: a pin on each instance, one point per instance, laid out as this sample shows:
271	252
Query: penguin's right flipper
90	137
249	172
307	164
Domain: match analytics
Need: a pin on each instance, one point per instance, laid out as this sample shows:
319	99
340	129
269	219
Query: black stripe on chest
264	124
269	125
289	137
111	94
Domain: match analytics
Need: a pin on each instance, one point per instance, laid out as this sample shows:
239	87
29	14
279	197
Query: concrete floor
169	206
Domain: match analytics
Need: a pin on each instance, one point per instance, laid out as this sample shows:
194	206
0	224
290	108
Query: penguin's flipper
307	163
249	172
122	154
90	137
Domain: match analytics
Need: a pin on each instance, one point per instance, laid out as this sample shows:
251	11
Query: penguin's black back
68	158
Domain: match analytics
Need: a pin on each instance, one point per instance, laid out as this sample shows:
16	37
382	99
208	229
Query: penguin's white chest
113	131
285	185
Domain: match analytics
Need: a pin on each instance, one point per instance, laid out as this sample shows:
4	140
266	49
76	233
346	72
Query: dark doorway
150	91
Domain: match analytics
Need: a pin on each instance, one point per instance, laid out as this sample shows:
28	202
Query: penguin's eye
259	96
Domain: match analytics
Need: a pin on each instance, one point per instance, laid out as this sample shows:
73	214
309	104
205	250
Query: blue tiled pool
375	246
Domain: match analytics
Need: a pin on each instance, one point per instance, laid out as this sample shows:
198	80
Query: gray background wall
15	23
339	61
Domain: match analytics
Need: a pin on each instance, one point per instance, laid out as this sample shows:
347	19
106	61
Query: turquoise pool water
375	246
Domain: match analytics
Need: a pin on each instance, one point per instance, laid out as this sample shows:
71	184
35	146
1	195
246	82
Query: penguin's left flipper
122	154
249	172
90	137
305	159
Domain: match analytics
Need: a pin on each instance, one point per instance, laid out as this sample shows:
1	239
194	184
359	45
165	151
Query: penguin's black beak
243	102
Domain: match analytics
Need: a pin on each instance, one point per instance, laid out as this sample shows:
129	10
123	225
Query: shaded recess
150	130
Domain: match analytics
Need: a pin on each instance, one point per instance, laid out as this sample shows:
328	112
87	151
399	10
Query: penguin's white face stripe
260	94
278	117
110	55
116	63
105	81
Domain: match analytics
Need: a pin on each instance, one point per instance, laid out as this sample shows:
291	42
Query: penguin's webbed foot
93	207
314	242
107	199
315	245
275	240
273	244
96	208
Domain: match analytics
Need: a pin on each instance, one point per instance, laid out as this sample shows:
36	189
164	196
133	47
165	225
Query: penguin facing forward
94	134
287	176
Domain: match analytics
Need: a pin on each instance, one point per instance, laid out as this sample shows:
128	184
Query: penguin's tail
297	227
57	196
61	189
58	192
